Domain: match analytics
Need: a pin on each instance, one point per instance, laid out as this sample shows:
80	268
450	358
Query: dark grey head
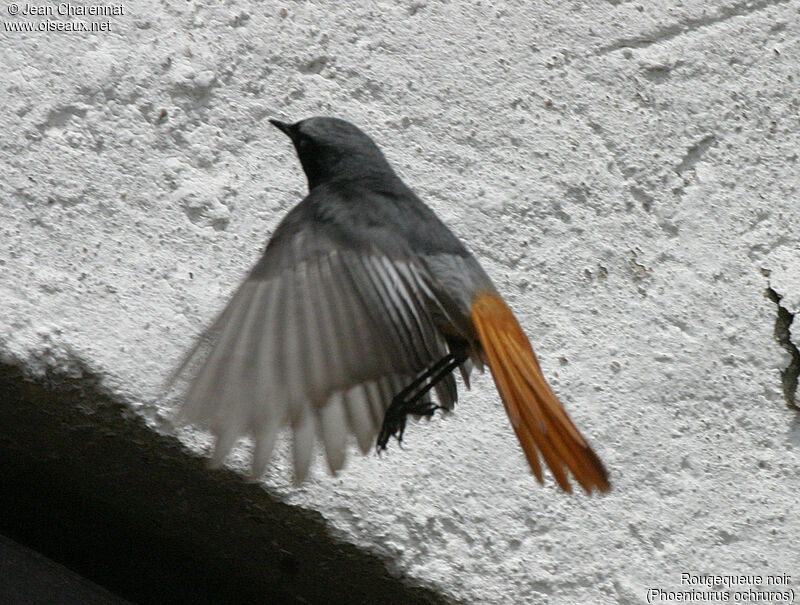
330	148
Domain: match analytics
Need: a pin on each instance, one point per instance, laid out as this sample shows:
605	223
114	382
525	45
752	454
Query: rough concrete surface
627	172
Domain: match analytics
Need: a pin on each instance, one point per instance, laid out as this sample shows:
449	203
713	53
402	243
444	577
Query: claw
394	423
412	400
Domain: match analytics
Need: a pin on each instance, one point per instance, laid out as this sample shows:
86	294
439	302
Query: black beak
287	129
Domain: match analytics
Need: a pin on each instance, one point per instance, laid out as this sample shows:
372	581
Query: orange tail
540	422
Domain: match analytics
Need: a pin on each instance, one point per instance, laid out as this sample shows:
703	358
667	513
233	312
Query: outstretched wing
320	336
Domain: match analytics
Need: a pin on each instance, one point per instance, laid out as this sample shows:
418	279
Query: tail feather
541	424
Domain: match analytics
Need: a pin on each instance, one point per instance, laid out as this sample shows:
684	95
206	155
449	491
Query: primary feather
333	325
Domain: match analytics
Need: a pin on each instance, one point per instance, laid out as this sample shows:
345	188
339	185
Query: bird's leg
410	399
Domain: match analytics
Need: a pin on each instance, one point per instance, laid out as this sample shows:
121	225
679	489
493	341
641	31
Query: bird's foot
394	422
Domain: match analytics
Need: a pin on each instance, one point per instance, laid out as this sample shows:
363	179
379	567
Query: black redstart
362	303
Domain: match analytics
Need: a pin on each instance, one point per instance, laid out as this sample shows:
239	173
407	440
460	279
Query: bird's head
330	148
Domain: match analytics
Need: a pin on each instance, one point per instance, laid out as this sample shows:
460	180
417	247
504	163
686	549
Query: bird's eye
303	142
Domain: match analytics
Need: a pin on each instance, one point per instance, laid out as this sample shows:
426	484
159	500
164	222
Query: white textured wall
627	171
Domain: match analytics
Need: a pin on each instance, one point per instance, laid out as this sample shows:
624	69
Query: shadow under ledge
87	484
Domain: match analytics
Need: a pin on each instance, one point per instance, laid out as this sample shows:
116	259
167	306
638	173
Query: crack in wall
674	30
789	375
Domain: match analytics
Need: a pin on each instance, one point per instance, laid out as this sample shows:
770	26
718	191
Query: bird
362	303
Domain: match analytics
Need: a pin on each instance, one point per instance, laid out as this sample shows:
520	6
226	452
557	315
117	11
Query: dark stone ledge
87	484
